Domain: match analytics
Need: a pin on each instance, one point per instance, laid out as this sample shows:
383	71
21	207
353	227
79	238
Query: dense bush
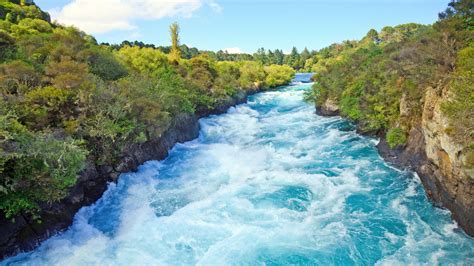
252	74
460	108
278	75
369	78
34	167
65	99
395	137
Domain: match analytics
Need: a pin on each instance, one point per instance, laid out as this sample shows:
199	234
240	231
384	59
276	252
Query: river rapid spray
268	182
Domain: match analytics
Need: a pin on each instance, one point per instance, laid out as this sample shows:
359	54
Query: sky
240	25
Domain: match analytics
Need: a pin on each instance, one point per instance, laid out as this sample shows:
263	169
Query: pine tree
260	56
279	57
305	55
271	57
294	58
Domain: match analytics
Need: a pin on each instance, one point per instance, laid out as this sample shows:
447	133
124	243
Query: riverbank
441	186
266	181
25	233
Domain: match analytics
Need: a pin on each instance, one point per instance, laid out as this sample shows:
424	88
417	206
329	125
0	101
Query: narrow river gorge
268	182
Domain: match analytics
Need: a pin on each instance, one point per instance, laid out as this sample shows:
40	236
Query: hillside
68	103
411	85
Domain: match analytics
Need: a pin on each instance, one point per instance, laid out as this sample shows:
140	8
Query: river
267	183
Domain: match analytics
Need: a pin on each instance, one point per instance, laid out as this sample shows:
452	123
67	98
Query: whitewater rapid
267	183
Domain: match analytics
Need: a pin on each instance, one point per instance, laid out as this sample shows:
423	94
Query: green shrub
39	168
63	97
460	108
143	60
30	26
252	75
395	137
227	81
105	65
278	75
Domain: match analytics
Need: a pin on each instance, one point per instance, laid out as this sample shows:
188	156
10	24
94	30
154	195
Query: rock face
25	234
437	159
329	108
452	185
434	155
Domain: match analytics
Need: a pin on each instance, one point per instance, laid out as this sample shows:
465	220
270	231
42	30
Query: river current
267	183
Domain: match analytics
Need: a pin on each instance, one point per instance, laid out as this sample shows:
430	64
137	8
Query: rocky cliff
328	108
25	234
433	154
451	182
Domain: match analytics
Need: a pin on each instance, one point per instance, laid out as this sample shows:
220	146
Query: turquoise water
267	183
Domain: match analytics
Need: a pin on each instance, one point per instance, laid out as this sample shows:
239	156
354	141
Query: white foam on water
267	182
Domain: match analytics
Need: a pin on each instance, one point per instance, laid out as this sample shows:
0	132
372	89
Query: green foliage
34	168
66	100
252	74
105	65
460	108
17	77
12	11
350	107
227	81
6	45
67	73
278	75
141	60
395	137
373	35
10	17
369	78
30	26
202	72
46	106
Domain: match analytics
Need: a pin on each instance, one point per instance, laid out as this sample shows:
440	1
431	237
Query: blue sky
243	24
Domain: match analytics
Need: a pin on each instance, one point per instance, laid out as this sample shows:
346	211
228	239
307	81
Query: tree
202	72
373	35
252	74
103	64
260	56
67	73
7	47
294	58
278	75
16	77
279	57
463	8
305	55
271	57
143	60
175	54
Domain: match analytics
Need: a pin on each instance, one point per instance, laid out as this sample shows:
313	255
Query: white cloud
101	16
215	6
233	50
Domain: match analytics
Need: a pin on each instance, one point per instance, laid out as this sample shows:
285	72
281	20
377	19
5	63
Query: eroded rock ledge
25	234
329	108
